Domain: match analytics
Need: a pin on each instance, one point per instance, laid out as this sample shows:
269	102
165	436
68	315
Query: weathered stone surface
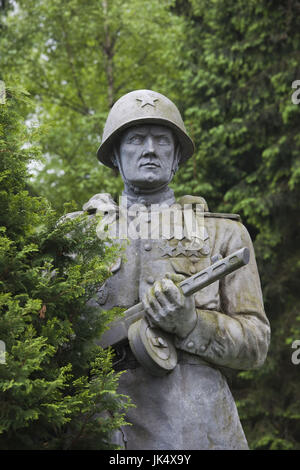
189	409
224	326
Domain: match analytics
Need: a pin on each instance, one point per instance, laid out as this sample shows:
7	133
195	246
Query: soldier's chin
150	181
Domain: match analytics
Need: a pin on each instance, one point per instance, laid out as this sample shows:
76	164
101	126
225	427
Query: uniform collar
165	196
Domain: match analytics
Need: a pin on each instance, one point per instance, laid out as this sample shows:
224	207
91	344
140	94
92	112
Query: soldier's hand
167	307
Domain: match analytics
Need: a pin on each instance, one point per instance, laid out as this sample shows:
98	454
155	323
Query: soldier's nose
149	146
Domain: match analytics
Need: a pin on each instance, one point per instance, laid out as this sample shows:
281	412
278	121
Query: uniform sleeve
237	337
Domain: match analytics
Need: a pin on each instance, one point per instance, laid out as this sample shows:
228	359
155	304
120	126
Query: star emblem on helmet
147	100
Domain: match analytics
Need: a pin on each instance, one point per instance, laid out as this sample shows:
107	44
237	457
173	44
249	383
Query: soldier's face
147	155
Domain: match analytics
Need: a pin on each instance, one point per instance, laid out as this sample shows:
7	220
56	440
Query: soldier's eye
163	140
136	139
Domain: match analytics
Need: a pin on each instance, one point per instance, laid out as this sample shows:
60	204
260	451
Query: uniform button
147	247
190	345
202	348
150	280
216	258
205	250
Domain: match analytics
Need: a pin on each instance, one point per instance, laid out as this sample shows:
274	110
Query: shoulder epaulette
193	200
187	199
223	216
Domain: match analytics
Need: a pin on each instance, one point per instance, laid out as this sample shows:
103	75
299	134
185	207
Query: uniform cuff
199	339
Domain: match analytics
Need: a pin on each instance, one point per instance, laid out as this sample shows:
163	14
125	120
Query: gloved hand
168	308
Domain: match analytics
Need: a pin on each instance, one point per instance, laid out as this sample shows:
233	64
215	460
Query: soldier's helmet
139	107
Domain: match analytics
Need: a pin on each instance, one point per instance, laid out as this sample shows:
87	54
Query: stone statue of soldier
222	326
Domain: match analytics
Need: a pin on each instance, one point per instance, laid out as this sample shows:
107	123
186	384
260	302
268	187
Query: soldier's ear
177	158
115	156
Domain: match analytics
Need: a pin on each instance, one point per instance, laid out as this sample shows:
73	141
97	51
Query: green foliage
241	62
78	57
58	389
229	65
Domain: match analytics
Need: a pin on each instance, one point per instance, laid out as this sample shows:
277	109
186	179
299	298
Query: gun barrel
118	330
215	272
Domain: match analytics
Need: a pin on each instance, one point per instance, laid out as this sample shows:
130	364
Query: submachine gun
152	347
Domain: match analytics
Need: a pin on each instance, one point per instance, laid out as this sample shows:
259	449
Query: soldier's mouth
150	165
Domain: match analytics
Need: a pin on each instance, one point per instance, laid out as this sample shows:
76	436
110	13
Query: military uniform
191	407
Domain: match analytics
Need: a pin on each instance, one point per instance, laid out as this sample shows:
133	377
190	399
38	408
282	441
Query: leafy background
229	65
